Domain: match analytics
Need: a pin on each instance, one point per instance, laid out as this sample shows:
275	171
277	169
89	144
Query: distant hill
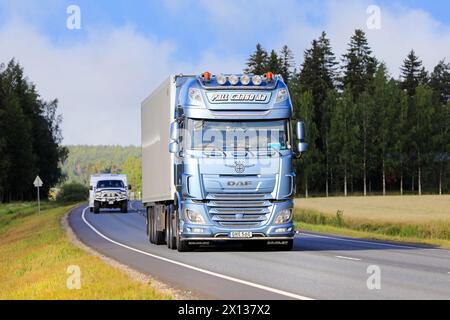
83	161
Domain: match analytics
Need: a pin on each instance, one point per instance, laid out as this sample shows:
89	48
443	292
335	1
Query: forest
368	132
30	137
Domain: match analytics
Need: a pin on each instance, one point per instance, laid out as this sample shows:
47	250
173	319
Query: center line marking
181	264
348	258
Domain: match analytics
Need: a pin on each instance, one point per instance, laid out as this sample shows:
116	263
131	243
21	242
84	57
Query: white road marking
211	273
361	241
348	258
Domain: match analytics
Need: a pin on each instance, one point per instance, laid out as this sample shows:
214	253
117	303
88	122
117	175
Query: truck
217	161
108	191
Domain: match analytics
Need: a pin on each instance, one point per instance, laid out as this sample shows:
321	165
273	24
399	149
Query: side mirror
129	187
302	147
301	136
174	147
174	131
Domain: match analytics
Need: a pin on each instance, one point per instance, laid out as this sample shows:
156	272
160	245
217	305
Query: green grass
378	218
35	254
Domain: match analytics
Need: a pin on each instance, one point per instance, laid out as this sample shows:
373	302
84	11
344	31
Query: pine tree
273	63
440	81
257	63
317	76
359	64
412	73
286	63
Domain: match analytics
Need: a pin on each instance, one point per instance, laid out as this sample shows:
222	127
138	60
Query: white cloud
100	81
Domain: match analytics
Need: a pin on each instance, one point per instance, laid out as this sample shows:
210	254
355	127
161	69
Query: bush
72	192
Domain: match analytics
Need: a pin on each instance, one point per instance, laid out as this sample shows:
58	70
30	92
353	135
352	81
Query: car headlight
284	216
194	217
282	95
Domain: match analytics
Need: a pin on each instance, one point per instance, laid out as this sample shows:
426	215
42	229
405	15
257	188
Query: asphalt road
319	267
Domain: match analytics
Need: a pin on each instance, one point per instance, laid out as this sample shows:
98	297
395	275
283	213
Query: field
35	255
420	219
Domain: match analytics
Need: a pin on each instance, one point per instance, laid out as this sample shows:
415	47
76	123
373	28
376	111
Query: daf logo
239	183
240	167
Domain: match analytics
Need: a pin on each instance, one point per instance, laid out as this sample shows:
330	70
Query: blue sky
126	48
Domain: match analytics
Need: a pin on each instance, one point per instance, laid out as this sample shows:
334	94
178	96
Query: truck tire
170	227
156	237
149	226
124	207
96	207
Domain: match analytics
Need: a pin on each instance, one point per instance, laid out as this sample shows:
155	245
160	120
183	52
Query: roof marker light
221	79
257	80
206	76
269	76
245	80
234	79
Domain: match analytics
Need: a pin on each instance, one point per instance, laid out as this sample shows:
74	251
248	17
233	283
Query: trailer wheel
96	207
124	207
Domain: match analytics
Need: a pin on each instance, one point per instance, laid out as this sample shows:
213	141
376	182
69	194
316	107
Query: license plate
111	202
241	234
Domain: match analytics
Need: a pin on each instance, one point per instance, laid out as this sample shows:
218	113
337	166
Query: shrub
72	192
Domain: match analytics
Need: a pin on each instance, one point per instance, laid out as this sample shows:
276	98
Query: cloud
101	78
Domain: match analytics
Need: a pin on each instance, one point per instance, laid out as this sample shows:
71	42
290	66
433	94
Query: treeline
83	161
368	132
30	137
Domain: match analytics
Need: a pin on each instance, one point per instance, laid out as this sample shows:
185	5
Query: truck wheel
149	225
124	207
96	207
158	236
171	238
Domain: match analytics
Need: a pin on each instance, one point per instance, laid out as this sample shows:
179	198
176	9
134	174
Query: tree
133	169
257	63
440	82
412	73
421	129
311	159
343	137
273	63
286	63
30	134
317	76
359	64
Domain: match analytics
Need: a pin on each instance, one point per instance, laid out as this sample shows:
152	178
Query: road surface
319	267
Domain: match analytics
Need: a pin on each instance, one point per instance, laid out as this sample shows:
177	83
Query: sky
122	50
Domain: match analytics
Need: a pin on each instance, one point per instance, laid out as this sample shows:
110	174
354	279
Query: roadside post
38	184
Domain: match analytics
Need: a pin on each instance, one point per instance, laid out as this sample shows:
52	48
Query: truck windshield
212	135
110	184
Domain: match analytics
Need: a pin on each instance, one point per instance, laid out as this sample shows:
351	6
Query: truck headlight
284	216
195	95
194	217
282	95
98	194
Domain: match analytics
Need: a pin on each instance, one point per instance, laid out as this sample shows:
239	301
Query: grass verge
436	233
35	255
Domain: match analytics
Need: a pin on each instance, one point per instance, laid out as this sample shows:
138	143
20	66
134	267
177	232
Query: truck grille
238	212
